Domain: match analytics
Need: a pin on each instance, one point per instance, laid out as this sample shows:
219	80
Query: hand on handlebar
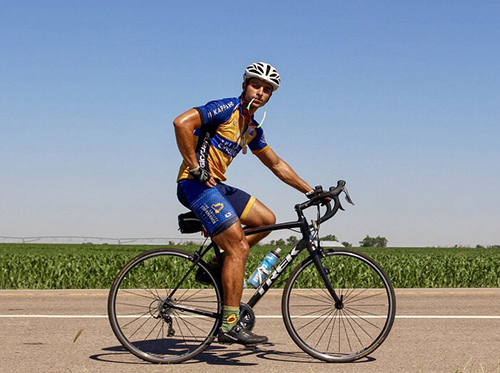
326	198
318	193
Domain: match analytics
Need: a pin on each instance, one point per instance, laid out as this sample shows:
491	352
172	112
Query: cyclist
208	138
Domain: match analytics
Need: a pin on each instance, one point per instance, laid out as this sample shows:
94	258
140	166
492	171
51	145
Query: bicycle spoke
179	327
139	327
344	327
128	291
310	297
189	325
136	319
362	319
365	312
326	327
333	328
314	311
152	329
132	305
324	294
321	317
357	298
348	320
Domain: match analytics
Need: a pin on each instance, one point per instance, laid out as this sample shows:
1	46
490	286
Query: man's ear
244	86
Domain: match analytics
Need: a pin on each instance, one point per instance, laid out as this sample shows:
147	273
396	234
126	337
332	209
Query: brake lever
340	205
348	197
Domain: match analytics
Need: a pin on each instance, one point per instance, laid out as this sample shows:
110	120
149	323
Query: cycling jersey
223	134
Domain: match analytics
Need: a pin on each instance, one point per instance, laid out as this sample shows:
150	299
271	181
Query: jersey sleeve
258	142
217	112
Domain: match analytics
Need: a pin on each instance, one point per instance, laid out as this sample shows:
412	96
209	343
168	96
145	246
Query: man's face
257	90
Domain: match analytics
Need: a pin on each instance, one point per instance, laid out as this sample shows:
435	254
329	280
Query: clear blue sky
399	98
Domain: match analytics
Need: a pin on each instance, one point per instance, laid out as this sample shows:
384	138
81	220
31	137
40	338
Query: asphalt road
436	330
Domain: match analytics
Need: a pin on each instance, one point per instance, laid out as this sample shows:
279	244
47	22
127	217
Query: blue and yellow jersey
223	134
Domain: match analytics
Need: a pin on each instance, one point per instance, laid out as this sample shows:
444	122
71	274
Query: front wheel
160	310
339	332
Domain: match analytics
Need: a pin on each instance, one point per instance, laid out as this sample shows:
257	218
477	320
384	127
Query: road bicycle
338	305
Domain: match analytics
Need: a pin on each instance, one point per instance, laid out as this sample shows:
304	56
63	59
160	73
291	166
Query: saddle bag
189	223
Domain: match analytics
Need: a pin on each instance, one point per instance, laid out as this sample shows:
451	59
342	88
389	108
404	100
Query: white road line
487	317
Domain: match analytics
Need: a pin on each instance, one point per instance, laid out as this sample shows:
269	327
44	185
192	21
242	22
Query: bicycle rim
153	321
334	334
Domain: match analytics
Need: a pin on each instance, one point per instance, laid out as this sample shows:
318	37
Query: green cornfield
87	266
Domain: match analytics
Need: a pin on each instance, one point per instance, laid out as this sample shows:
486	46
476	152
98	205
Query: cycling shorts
217	208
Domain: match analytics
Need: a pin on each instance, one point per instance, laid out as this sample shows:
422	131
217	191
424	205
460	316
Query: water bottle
259	275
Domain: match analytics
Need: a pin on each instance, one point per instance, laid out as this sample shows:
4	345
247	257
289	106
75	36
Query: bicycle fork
316	256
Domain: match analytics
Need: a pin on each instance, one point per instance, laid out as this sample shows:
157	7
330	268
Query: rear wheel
159	311
339	332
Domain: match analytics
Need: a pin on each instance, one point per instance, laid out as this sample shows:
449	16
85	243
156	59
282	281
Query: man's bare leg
236	249
235	246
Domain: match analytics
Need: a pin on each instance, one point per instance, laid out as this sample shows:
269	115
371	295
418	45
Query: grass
83	266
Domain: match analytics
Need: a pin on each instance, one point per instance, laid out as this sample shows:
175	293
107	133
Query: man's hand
203	176
311	194
200	174
316	192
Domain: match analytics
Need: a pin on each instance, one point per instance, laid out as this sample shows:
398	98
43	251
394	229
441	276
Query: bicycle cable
318	216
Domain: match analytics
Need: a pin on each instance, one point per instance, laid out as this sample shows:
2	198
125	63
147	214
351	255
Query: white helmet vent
263	71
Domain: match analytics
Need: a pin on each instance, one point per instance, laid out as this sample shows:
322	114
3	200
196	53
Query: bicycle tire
146	317
339	335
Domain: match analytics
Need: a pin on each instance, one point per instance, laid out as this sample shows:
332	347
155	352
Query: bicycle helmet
263	71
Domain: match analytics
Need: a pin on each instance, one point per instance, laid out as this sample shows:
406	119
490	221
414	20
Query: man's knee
242	249
233	241
270	218
266	217
260	216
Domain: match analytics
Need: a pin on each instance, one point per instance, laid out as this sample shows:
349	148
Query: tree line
365	242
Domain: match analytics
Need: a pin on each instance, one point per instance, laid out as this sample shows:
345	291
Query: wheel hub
340	304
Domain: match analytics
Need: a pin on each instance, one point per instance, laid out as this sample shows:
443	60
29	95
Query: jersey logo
217	207
222	107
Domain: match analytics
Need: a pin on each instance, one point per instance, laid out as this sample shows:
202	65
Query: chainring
247	316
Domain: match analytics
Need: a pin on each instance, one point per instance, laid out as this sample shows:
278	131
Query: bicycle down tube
288	259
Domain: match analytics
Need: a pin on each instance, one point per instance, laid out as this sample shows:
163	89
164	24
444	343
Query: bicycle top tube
273	227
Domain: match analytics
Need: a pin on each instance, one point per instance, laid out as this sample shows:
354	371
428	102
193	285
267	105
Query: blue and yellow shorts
217	208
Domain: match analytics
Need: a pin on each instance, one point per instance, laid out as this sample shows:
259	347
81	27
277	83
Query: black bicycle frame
305	242
268	283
